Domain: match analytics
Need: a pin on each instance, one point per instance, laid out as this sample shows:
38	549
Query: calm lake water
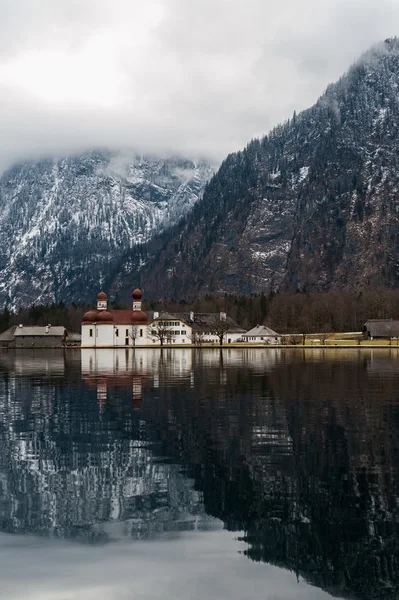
189	474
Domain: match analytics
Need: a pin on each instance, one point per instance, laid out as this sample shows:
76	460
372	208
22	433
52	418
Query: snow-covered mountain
312	206
66	222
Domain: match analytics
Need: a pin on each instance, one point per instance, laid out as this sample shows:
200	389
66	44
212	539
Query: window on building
90	332
141	333
117	332
127	333
183	333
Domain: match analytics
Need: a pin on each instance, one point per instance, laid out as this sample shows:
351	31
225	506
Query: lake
200	474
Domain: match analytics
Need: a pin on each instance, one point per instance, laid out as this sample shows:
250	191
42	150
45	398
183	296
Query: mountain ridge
310	206
65	223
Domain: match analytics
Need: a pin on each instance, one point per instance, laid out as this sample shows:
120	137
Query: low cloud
198	78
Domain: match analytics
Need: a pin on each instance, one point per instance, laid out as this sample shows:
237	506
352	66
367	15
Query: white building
103	328
261	335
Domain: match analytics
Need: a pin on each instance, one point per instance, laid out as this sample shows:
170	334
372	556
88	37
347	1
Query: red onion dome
102	296
105	317
137	294
139	317
90	316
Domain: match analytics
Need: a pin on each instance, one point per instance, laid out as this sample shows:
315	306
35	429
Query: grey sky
198	77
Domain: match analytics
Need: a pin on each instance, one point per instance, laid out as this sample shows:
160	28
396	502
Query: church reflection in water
298	451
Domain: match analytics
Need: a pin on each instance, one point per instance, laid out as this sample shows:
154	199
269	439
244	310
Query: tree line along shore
305	317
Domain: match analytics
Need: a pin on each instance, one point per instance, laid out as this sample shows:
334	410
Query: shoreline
217	347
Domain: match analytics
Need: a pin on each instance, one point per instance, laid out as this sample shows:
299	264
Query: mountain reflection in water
296	451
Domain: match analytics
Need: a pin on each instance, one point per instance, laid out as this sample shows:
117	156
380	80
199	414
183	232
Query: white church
103	328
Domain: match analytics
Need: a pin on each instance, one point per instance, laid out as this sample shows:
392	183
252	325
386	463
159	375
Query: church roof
122	317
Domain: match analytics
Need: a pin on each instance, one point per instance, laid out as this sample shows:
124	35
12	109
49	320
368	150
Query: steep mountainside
312	206
65	223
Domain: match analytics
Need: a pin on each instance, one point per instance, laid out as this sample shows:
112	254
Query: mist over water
235	474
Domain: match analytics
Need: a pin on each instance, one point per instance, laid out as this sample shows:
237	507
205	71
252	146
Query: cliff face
65	223
314	205
346	231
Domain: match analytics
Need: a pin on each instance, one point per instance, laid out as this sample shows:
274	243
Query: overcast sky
196	77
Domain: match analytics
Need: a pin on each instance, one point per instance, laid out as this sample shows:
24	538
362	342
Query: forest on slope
313	206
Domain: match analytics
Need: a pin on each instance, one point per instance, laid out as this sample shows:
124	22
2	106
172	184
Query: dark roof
383	328
39	331
8	335
165	316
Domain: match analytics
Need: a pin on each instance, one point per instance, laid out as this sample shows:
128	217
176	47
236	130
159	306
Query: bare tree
219	327
324	337
161	332
198	337
292	340
134	334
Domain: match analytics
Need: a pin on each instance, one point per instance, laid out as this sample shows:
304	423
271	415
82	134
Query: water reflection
297	451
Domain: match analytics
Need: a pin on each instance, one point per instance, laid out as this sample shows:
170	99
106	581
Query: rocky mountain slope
313	205
65	223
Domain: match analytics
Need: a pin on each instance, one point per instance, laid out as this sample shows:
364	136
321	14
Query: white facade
113	329
106	335
209	338
169	330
